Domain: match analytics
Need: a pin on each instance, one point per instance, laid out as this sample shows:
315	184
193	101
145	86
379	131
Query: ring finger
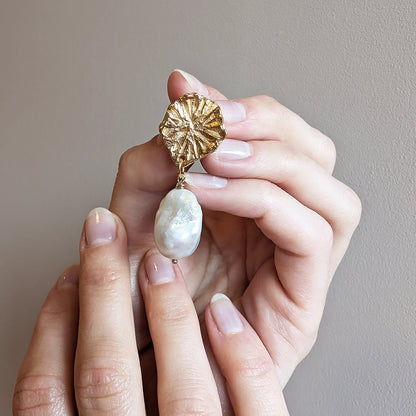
250	373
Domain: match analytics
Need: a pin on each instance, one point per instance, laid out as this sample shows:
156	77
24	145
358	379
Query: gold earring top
192	128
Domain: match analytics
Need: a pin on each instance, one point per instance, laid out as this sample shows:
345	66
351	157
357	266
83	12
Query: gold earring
192	128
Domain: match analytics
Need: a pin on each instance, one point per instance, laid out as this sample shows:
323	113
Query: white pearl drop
178	224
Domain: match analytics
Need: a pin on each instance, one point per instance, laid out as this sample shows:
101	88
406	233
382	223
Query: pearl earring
192	128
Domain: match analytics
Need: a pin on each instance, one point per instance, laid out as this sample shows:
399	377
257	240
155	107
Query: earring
192	128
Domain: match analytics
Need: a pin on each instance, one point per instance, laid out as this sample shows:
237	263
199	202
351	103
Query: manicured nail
159	269
203	180
100	227
194	83
69	278
230	150
225	315
232	111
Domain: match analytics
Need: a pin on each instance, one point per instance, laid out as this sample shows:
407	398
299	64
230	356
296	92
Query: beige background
81	81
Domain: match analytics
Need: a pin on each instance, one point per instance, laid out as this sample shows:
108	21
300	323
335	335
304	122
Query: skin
275	252
83	359
273	236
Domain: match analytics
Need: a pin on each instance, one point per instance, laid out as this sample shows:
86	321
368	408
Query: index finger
261	118
107	371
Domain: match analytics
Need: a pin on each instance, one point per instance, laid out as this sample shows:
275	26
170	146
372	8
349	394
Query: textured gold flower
192	128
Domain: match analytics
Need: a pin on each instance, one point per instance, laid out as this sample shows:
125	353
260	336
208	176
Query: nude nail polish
196	85
230	150
159	269
225	315
203	180
100	227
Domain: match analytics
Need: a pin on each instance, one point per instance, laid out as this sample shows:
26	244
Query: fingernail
230	150
232	111
225	315
194	83
159	269
100	227
203	180
69	278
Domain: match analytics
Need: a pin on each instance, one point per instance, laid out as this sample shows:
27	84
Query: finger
145	174
45	381
261	118
287	329
185	381
286	295
181	82
249	371
107	371
298	175
267	119
303	238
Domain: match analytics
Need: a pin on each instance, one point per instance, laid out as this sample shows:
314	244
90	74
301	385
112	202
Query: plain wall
81	81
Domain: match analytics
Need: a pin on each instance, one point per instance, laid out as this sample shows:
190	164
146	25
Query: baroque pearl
178	224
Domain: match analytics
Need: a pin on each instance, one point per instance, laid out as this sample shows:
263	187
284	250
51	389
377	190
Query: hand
87	363
274	231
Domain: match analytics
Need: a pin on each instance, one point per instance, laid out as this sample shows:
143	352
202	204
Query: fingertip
101	227
181	82
205	181
226	317
244	361
177	341
137	172
158	269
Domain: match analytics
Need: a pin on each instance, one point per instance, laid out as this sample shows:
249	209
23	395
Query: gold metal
180	182
192	128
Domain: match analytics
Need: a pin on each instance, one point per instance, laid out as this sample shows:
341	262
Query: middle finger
185	381
107	371
298	175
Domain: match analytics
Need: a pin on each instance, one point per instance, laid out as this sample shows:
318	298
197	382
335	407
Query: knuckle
288	162
271	107
127	162
190	406
303	343
325	235
171	312
267	100
353	208
305	327
39	395
317	238
103	272
104	388
266	190
130	165
255	368
327	150
330	152
50	312
310	340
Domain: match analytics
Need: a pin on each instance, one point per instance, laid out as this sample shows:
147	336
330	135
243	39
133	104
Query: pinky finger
250	374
